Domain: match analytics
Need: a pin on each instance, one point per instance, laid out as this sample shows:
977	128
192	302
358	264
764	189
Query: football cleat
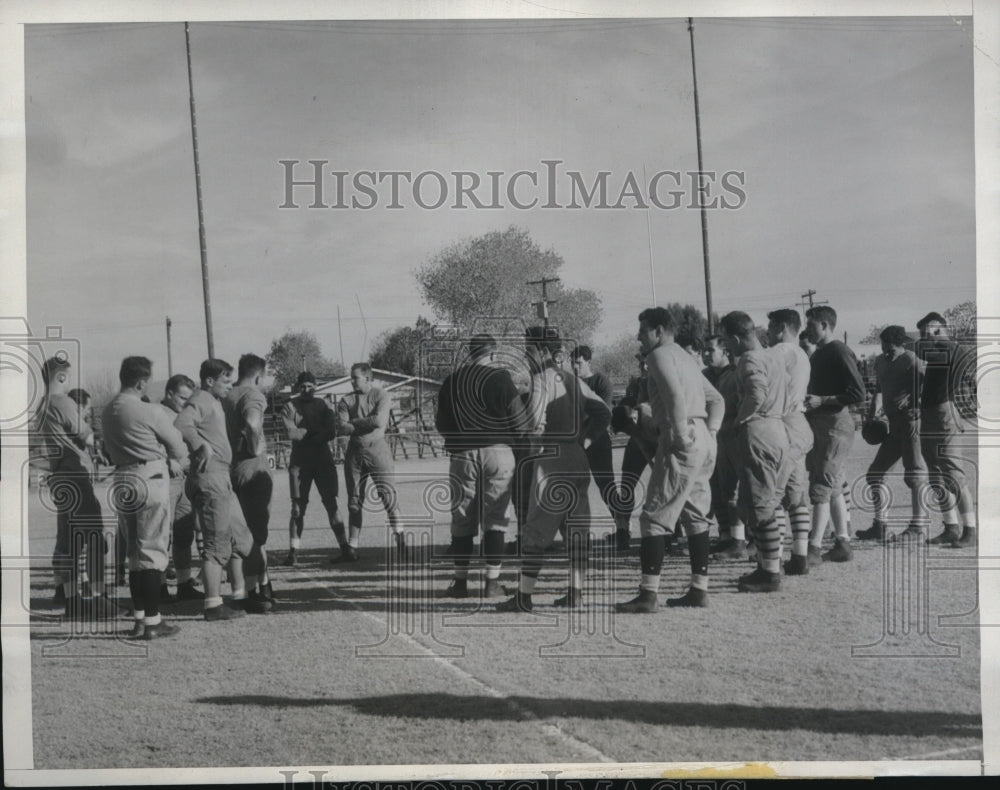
644	603
968	539
223	612
459	588
841	551
735	550
875	532
760	581
693	597
186	591
797	565
519	603
161	630
347	554
948	536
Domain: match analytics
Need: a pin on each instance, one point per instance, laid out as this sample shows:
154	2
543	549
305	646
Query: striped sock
801	522
845	489
781	520
768	546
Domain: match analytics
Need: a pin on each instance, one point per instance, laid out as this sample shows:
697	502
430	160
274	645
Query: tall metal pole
340	336
701	195
201	217
170	361
649	240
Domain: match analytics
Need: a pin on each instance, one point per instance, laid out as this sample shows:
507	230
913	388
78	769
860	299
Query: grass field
360	665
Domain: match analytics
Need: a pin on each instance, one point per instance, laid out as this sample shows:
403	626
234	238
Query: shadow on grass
676	714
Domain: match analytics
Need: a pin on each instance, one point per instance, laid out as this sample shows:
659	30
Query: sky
855	138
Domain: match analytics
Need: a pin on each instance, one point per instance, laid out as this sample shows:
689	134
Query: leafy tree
398	350
617	360
488	277
293	349
689	319
961	320
872	338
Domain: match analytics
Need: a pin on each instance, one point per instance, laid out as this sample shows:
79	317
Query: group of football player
746	431
194	466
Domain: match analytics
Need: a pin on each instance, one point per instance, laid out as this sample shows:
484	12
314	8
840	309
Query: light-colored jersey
693	397
138	432
797	369
202	421
63	435
368	413
762	382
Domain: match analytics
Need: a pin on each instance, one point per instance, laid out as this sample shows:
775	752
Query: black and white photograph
522	391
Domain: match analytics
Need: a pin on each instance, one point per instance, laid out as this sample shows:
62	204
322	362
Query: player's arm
854	384
535	402
715	405
186	422
170	437
379	417
664	376
875	405
253	432
77	428
344	427
597	415
754	381
291	419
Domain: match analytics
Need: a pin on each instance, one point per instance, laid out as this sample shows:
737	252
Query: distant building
411	419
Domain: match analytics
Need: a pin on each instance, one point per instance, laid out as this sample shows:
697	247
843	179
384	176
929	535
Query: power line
809	295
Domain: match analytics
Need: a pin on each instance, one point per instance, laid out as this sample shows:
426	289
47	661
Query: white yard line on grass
551	729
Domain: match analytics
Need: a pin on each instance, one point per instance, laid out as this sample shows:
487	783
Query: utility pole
809	295
340	336
543	306
201	217
649	240
701	194
170	361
